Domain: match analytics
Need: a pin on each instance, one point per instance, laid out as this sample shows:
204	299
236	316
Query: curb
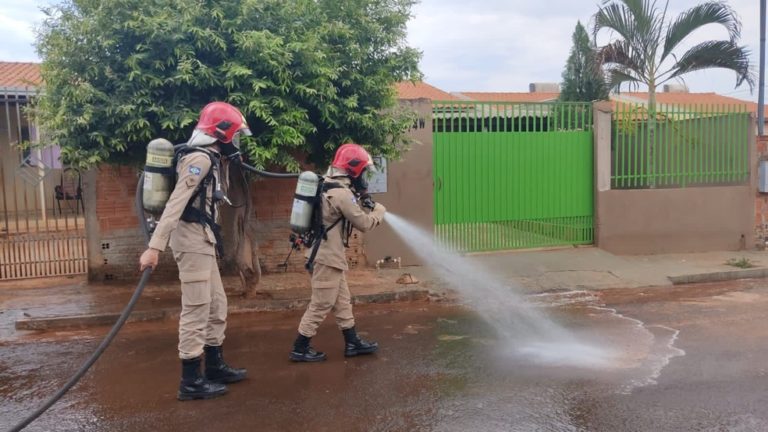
757	273
239	307
84	321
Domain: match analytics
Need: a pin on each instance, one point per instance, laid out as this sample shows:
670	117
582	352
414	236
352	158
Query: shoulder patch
195	170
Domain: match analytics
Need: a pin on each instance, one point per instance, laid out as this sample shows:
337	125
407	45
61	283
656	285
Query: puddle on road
439	368
605	344
621	344
547	386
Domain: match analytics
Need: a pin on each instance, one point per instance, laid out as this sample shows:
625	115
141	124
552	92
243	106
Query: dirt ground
682	358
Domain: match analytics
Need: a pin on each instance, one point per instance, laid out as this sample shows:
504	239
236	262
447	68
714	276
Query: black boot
302	352
194	385
219	372
356	346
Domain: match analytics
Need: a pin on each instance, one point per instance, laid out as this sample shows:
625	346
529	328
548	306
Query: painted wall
676	220
651	221
409	191
761	200
20	194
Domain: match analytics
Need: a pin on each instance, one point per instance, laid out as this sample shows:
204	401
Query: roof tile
509	96
19	75
421	90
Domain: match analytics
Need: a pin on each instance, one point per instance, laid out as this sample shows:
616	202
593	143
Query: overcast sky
481	45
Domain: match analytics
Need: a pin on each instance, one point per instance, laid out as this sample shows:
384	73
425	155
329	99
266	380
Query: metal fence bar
30	247
513	175
701	144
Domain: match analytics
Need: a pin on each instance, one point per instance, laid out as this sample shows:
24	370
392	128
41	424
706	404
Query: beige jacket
186	236
340	202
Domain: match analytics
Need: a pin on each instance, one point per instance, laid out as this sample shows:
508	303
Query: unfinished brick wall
272	200
761	201
119	241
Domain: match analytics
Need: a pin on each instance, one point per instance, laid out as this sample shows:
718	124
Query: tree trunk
241	249
651	163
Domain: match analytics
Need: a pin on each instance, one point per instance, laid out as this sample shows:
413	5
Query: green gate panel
499	189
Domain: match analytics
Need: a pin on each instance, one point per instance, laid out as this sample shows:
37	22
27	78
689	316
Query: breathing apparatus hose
109	337
236	159
267	173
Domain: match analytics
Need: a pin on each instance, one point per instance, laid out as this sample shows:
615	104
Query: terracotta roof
421	90
508	97
688	99
19	75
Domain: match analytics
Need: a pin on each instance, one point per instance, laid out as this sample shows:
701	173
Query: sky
475	45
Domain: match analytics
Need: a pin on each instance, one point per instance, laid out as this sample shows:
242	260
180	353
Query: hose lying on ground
128	308
112	333
91	360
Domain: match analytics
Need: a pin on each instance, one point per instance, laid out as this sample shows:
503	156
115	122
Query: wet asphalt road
682	359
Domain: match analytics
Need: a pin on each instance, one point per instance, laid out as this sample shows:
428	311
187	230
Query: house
18	83
549	92
41	207
408	90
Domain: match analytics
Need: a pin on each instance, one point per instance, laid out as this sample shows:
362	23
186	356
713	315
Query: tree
644	49
583	79
308	74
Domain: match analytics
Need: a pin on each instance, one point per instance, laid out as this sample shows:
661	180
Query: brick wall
761	202
272	199
118	239
115	240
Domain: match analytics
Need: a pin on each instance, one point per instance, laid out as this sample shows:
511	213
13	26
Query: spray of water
522	328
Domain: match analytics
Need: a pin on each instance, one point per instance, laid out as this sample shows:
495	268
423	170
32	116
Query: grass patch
743	263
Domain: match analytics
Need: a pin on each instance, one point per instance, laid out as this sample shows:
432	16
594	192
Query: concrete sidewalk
67	303
595	269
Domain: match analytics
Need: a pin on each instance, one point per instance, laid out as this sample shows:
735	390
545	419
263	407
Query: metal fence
681	146
42	218
511	175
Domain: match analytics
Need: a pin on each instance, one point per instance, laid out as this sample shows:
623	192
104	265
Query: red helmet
352	159
219	121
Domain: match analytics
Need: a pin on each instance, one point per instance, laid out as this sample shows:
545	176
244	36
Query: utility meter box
763	177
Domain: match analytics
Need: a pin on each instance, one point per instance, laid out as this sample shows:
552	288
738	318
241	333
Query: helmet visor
372	167
200	138
236	136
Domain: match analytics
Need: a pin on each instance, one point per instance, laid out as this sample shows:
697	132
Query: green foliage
308	74
583	79
744	263
643	50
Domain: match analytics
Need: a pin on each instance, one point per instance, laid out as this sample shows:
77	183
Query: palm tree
643	49
643	53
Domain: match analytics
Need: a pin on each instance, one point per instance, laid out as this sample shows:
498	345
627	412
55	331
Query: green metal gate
511	175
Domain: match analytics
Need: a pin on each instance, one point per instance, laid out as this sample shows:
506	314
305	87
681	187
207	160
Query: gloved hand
367	202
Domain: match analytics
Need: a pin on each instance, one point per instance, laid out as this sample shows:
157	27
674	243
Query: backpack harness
198	213
318	232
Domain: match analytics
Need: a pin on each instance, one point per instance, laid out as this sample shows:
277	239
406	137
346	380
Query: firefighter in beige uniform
188	224
343	186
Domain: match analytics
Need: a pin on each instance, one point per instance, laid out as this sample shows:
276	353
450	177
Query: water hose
91	360
109	337
128	308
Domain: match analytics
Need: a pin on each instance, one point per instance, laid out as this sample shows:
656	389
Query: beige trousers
329	293
203	304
